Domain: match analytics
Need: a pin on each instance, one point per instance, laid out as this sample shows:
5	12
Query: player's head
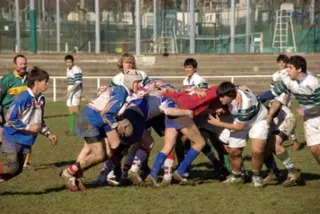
226	92
38	78
296	67
20	64
124	128
127	62
69	60
190	66
282	61
132	80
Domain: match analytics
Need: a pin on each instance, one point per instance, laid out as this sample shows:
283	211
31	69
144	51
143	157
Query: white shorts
285	122
74	99
312	131
258	130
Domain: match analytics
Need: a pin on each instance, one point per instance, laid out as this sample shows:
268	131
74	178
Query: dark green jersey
11	85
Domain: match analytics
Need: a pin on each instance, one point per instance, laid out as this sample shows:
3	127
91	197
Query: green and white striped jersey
74	76
250	109
306	91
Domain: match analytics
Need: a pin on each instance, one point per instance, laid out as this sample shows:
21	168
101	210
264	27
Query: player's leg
73	103
312	136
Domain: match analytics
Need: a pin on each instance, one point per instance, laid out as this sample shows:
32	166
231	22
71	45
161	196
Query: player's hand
190	113
220	111
214	120
53	139
300	112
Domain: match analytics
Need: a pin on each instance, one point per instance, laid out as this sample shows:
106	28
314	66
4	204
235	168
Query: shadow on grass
307	176
44	192
55	116
51	165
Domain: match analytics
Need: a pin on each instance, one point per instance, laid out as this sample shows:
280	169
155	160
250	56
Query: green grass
40	190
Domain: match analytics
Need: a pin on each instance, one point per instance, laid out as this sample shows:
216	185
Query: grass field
40	190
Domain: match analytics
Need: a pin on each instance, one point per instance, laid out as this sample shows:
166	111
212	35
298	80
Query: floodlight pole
18	34
248	24
33	27
192	27
138	28
97	26
58	24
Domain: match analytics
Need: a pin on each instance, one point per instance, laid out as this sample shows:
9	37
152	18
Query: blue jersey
151	106
107	104
25	110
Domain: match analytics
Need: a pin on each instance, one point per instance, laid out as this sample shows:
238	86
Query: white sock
138	159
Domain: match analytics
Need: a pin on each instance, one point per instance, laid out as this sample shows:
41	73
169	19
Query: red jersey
193	102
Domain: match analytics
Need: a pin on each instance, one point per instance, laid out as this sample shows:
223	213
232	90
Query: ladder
167	41
282	27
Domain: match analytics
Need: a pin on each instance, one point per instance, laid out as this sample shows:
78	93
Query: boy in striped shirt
74	94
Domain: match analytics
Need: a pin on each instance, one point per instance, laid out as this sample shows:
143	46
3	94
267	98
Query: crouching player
250	120
24	122
97	121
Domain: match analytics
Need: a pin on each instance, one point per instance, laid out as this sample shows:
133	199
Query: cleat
182	180
102	178
257	182
271	179
151	182
293	179
69	180
135	178
113	182
233	180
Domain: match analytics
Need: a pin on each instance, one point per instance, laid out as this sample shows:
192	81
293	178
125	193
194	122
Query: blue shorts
12	147
178	122
138	124
90	124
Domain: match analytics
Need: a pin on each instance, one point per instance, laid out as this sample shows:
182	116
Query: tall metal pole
232	25
248	25
155	25
58	24
192	28
18	35
312	6
33	27
43	11
97	26
138	28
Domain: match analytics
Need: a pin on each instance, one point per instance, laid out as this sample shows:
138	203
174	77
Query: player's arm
4	86
275	106
118	98
237	126
44	130
16	109
168	107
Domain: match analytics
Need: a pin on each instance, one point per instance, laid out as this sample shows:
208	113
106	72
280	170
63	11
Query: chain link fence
117	25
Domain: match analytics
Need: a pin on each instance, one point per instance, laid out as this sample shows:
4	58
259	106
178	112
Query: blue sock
161	157
190	156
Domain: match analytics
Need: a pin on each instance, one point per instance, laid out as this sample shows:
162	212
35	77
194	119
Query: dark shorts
12	147
138	124
158	124
178	122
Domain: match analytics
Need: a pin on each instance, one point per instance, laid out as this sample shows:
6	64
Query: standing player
74	93
306	89
24	122
250	121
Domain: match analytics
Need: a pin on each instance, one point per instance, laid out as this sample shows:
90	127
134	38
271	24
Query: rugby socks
286	160
256	175
72	123
161	157
127	165
168	164
140	156
226	162
271	164
293	137
190	156
207	151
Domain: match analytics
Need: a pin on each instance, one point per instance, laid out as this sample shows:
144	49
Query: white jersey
118	79
306	91
250	111
196	81
284	98
74	76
